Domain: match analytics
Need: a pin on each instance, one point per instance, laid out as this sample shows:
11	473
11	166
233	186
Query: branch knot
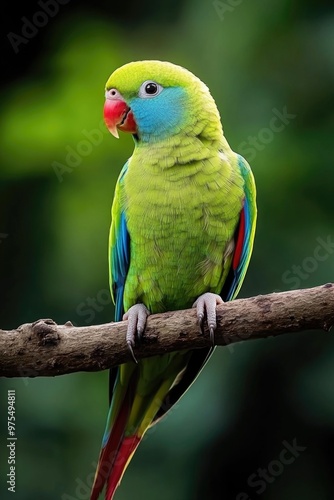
46	331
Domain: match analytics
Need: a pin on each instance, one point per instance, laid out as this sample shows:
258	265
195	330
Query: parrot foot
206	305
136	316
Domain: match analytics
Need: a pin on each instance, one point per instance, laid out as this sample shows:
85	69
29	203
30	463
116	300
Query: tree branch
44	348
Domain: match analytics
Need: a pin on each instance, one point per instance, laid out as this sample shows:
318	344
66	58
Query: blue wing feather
119	251
119	261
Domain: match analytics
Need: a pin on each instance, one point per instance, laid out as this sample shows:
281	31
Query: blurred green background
270	67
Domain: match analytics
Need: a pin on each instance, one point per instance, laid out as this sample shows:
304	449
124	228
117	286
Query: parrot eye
149	89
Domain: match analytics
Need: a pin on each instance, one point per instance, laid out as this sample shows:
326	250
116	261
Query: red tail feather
109	461
127	448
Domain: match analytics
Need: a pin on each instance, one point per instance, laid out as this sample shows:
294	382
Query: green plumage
182	222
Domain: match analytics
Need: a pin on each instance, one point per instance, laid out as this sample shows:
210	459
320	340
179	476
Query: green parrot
182	232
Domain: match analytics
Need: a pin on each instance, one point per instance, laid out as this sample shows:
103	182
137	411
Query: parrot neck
181	149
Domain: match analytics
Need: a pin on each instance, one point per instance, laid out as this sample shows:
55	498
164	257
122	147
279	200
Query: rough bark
44	348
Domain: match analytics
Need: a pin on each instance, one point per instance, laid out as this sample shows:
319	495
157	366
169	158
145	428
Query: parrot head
155	99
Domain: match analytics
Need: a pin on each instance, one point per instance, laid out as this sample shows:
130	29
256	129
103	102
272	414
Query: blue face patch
159	116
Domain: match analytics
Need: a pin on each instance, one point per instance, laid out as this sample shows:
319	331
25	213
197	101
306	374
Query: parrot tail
124	455
116	453
130	415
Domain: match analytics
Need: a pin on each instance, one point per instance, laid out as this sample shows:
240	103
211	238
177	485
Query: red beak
118	115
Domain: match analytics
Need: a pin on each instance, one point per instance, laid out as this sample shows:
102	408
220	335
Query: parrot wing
119	255
119	250
244	235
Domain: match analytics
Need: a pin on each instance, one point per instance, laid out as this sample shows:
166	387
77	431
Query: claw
212	336
207	304
131	346
200	319
136	316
